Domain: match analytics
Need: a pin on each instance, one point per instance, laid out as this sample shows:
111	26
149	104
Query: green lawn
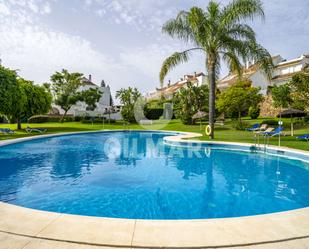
222	133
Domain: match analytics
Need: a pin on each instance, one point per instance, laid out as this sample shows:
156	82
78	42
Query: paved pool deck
28	228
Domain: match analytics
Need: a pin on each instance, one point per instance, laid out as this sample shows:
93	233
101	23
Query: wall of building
259	79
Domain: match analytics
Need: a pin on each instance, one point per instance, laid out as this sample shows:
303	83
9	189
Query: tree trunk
211	64
62	118
18	124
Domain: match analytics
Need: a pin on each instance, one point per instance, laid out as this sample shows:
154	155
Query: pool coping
127	233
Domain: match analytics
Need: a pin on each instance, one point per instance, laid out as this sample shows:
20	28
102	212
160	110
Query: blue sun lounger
6	131
254	127
276	132
303	137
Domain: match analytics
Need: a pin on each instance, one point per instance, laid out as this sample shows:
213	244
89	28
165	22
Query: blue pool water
136	175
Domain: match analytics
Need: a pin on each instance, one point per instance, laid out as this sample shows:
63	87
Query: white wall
259	79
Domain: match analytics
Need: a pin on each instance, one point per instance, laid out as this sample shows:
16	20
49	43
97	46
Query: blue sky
121	40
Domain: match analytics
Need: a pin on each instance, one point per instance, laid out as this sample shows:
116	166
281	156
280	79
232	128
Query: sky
121	41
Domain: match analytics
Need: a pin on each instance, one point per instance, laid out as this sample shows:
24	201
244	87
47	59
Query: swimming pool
137	175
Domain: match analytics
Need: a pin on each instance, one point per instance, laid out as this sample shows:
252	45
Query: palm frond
174	60
179	28
241	31
199	24
240	10
262	57
233	62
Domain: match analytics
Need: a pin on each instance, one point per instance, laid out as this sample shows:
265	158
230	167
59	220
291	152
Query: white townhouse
282	73
168	91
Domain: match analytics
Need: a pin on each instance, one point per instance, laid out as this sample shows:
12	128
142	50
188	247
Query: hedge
49	119
155	113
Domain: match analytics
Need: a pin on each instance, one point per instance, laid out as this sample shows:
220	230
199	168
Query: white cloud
4	10
33	7
147	62
100	12
46	8
39	51
141	14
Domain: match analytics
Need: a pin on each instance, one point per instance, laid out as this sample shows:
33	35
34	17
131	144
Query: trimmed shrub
96	120
254	112
154	113
270	122
49	119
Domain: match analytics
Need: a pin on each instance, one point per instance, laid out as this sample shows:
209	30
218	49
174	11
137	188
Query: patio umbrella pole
292	126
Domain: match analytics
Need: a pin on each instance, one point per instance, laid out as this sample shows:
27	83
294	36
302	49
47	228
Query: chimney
195	74
89	78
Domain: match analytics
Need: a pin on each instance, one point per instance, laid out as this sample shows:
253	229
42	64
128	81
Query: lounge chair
39	130
303	137
276	132
6	131
254	127
263	127
270	129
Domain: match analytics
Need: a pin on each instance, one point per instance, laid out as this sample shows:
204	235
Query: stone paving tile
292	244
8	241
90	230
48	244
23	220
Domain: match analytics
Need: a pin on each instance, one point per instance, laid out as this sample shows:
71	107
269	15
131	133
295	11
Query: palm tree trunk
212	95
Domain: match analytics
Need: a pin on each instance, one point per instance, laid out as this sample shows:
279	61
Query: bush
270	122
78	118
240	125
254	112
49	119
154	113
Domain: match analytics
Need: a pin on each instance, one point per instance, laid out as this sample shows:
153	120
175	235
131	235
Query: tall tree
299	85
36	100
10	94
20	98
219	32
66	90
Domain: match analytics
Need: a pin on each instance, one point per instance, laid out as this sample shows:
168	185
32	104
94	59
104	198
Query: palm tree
220	33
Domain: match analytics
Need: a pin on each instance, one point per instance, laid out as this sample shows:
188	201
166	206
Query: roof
88	82
233	77
293	61
174	87
283	76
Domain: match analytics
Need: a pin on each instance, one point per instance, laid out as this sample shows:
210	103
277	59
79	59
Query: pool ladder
257	143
